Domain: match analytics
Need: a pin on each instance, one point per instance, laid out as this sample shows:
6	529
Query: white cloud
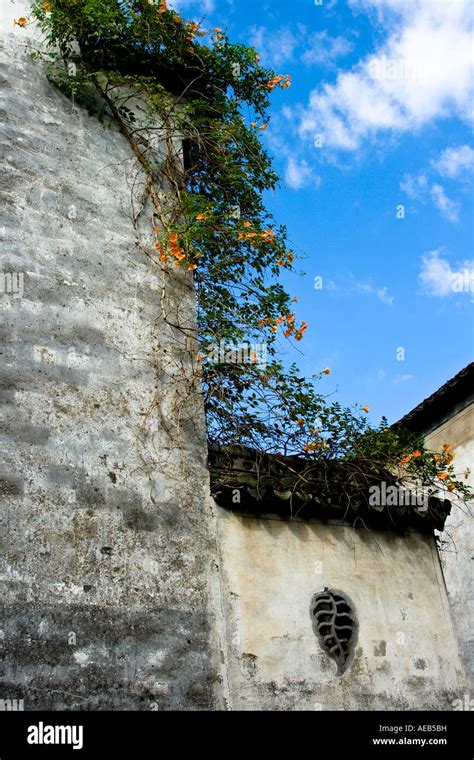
402	379
352	286
363	287
439	279
285	44
383	295
415	186
421	72
299	174
418	188
436	275
448	208
276	46
204	6
453	162
324	49
382	7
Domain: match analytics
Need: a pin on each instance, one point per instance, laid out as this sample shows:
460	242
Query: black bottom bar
136	735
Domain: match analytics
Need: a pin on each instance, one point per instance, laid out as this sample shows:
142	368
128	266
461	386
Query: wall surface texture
106	537
123	586
406	656
457	554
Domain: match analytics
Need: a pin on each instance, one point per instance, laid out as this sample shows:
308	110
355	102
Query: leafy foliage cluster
214	223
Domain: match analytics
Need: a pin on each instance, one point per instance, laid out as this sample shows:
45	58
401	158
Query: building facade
448	417
124	584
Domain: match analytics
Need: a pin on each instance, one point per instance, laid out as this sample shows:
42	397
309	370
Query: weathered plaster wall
407	655
105	524
457	554
110	583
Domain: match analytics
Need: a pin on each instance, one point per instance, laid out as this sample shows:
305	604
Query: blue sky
374	145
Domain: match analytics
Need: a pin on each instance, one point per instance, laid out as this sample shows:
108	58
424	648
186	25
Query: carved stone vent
335	623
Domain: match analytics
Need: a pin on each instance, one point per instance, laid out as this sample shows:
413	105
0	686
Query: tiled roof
453	396
248	482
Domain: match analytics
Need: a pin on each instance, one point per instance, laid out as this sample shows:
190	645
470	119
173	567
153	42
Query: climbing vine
156	76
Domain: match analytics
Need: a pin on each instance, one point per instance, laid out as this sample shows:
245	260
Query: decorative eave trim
248	482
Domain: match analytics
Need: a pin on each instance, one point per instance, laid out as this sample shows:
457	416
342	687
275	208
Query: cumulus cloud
439	279
420	72
455	162
299	174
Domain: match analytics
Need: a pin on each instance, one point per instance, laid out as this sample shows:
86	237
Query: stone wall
406	656
123	585
106	520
